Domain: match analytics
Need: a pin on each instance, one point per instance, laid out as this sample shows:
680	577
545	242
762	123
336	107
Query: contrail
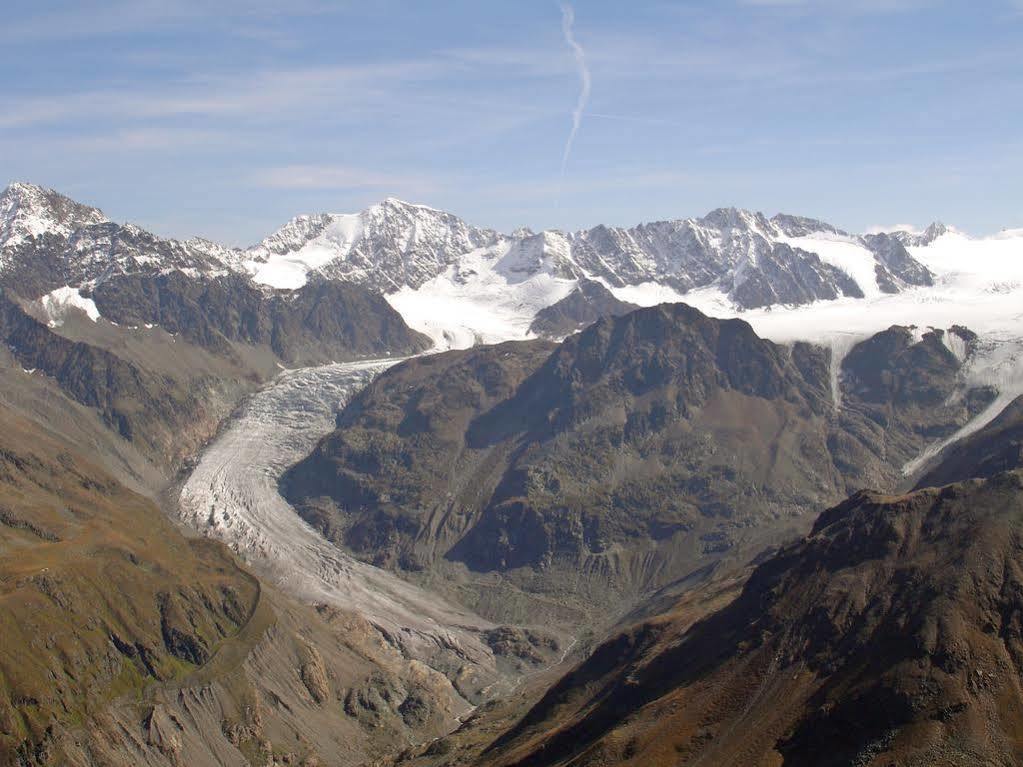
567	20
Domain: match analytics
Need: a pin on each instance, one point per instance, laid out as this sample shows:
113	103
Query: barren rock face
320	322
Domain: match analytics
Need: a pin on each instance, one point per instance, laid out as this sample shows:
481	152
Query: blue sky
224	119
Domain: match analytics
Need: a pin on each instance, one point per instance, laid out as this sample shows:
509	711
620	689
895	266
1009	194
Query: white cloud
335	177
881	229
266	93
567	22
848	7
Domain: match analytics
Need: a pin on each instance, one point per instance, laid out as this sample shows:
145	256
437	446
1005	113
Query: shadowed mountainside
631	454
322	321
891	635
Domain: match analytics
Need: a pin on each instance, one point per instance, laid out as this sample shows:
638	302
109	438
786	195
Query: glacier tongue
232	495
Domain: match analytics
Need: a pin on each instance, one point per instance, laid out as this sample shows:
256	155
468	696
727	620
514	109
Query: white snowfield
290	269
491	296
844	252
57	304
978	284
232	496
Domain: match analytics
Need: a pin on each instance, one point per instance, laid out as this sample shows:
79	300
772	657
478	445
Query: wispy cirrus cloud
264	93
585	81
97	19
853	7
340	177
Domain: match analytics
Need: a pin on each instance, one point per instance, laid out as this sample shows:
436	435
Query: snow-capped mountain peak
728	219
387	246
28	211
49	242
916	239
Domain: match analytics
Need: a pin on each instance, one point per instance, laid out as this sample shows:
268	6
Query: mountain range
388	488
48	241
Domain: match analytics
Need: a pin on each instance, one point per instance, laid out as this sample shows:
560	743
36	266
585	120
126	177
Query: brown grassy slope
123	643
99	594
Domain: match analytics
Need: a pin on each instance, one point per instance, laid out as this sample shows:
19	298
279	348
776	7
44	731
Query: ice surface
232	496
58	303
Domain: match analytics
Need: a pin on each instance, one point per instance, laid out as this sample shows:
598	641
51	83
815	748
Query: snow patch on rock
59	303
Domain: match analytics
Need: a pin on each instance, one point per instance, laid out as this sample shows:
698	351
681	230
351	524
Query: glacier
231	495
